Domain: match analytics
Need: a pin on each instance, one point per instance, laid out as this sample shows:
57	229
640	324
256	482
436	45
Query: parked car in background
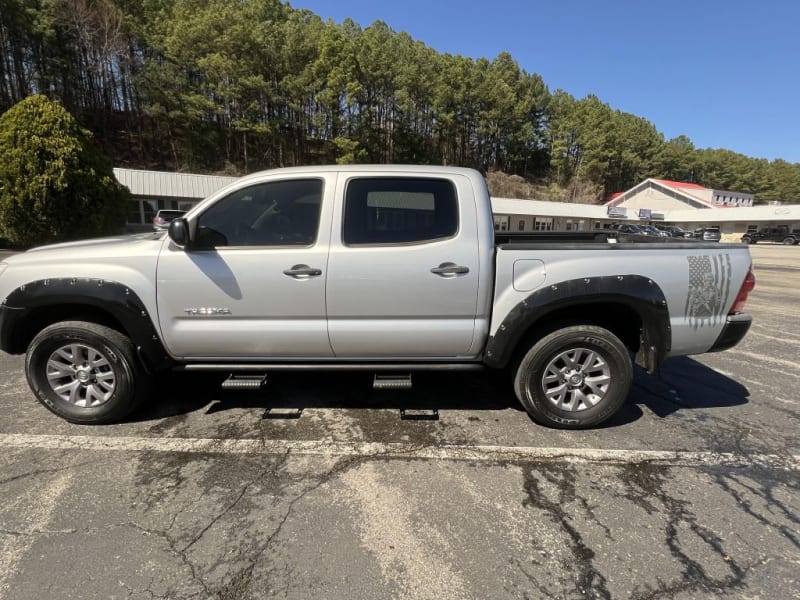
164	217
707	234
780	235
674	231
653	231
628	228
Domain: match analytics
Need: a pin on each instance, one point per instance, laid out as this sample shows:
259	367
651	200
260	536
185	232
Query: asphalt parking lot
693	491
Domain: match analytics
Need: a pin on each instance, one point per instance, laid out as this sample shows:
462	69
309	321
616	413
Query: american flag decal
709	289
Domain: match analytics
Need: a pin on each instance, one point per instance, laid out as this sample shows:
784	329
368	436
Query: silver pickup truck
391	269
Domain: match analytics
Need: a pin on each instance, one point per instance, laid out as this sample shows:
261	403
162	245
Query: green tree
55	184
677	161
636	146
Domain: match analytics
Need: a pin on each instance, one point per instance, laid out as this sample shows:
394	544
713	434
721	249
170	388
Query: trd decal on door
709	289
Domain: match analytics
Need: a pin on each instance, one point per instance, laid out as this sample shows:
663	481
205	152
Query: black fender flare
115	298
635	292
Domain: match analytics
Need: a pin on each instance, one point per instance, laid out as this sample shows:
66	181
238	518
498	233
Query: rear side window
399	210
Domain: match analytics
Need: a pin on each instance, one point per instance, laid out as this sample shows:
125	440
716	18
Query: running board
391	382
332	366
419	414
244	382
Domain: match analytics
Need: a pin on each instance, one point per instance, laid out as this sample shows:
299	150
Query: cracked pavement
148	522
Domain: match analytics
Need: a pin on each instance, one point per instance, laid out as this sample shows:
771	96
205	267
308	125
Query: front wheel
574	378
85	372
789	241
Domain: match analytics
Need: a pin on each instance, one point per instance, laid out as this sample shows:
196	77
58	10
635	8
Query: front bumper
736	326
9	317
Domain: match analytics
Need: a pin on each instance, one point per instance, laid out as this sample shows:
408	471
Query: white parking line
770	360
771	336
395	450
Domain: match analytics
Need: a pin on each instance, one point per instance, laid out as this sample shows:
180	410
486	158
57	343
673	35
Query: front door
252	285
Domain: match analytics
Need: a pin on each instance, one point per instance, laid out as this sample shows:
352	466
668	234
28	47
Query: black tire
789	241
113	349
532	368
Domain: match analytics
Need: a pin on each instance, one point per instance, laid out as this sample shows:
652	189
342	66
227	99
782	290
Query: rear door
403	267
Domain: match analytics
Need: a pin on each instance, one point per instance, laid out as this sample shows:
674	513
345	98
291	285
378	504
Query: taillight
158	220
747	287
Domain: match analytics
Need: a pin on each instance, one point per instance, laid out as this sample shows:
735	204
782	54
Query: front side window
277	213
398	210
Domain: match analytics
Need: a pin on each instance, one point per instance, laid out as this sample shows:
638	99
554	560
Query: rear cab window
399	210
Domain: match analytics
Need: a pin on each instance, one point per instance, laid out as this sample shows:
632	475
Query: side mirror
179	232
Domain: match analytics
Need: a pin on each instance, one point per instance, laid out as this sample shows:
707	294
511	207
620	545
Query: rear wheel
789	241
574	378
85	372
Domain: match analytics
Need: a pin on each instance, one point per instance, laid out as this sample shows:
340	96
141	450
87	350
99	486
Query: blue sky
725	73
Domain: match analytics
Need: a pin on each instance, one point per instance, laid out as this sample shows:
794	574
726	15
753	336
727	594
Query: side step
244	382
392	382
419	414
282	413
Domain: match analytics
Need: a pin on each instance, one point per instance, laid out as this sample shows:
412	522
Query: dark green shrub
55	183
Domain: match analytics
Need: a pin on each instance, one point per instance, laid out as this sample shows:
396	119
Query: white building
654	201
156	190
666	194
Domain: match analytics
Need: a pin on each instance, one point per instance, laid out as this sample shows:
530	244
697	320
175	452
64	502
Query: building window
521	225
543	224
134	212
752	228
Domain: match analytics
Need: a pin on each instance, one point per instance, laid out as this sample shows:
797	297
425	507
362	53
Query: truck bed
595	238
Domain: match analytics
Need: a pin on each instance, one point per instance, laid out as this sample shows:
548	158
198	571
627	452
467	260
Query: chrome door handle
448	268
298	271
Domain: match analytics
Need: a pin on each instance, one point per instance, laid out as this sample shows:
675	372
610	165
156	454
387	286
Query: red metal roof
680	184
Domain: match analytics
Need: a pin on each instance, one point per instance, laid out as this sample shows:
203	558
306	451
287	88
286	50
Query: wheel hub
575	380
84	374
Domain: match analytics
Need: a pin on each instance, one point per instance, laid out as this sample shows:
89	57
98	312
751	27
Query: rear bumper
736	326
